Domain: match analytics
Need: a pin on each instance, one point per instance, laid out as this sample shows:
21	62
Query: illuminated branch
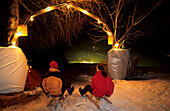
125	17
50	8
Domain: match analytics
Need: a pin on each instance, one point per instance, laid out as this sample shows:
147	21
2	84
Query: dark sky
155	47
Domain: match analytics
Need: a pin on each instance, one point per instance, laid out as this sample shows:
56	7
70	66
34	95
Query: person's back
101	84
52	85
53	82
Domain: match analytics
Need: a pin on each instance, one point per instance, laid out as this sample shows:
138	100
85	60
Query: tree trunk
9	19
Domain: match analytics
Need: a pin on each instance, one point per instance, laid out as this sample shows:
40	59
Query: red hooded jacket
101	86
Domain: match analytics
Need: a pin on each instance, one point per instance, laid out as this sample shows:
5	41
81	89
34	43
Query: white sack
13	69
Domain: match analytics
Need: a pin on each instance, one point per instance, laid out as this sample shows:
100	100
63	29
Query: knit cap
53	64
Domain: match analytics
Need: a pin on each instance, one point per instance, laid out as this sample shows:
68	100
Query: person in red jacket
101	84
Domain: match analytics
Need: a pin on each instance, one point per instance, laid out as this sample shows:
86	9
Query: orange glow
104	26
68	6
32	18
16	36
22	30
116	46
109	33
98	21
110	40
14	39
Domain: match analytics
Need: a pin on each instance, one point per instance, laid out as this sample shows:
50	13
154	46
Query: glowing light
32	18
68	6
19	33
168	55
116	46
13	44
22	30
48	9
87	62
85	12
110	40
109	33
98	21
84	62
91	62
105	27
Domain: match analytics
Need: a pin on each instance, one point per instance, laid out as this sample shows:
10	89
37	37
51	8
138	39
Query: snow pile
129	95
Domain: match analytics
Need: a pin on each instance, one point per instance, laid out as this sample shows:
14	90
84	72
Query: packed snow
129	95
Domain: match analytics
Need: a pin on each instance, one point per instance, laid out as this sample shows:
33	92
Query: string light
109	33
32	18
98	21
85	12
48	9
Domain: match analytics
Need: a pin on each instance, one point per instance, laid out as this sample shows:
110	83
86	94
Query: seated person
101	84
53	83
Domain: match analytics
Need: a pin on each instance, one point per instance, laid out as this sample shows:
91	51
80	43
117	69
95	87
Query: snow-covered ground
129	95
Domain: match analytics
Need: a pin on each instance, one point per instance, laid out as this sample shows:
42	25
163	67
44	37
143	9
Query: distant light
168	55
91	62
84	62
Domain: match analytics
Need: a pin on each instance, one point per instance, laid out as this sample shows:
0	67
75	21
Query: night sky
153	50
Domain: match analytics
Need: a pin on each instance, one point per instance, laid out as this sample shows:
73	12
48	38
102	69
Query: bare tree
126	18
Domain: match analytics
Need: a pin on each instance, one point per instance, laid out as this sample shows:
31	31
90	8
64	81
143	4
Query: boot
81	91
